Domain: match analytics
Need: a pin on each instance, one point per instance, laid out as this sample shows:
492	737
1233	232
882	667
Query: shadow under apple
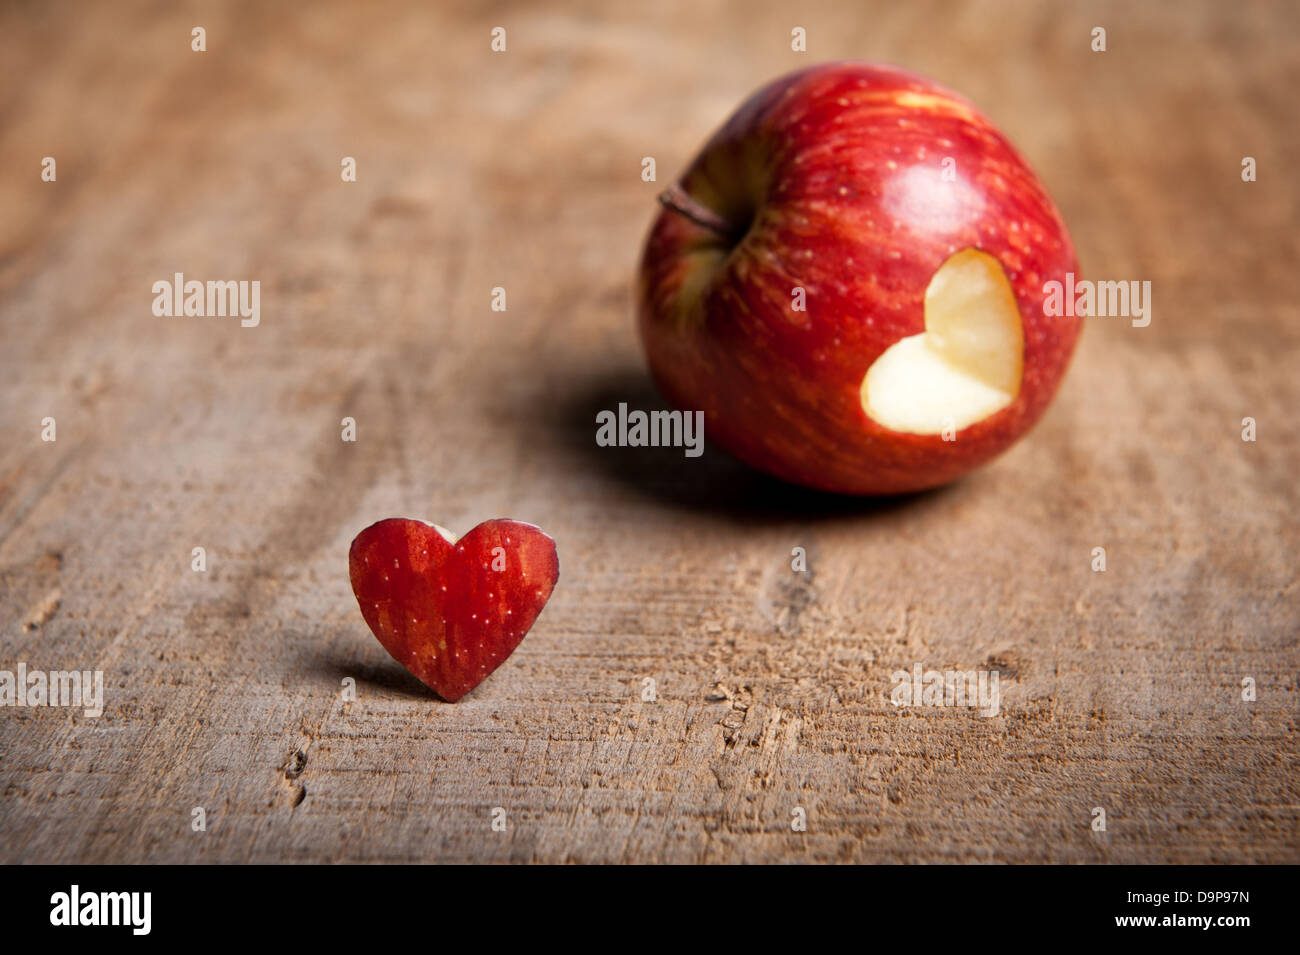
714	482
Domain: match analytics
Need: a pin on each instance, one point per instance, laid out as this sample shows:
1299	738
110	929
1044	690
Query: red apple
848	281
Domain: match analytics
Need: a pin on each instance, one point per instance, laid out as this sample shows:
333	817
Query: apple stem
677	199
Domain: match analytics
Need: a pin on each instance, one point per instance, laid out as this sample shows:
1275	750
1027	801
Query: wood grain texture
522	170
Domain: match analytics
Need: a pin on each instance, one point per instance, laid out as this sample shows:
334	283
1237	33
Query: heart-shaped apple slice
450	610
968	362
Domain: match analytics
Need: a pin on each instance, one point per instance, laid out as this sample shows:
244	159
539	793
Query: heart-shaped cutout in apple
451	610
965	366
848	282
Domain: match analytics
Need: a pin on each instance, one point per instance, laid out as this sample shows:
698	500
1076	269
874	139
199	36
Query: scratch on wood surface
44	609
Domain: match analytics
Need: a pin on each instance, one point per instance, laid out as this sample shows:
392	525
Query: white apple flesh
967	363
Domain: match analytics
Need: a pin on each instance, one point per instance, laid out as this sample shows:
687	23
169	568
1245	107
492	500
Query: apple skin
832	175
441	608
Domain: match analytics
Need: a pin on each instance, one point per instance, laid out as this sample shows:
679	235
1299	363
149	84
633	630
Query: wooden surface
1121	690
